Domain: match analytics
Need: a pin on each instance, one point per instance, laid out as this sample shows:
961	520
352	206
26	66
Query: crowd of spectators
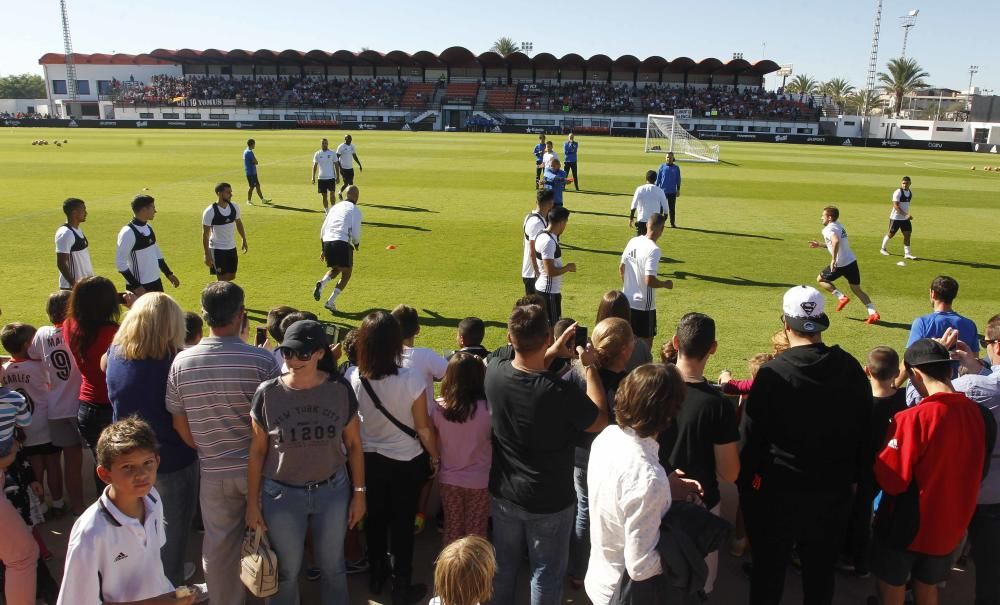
728	103
22	115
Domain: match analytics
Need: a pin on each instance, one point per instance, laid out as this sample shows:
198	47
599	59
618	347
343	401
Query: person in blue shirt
539	152
250	167
668	178
555	179
570	148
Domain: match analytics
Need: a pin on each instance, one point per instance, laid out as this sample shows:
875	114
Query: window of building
58	87
913	127
146	116
104	87
83	87
192	116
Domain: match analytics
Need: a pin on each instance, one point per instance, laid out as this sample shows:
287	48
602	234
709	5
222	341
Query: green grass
452	204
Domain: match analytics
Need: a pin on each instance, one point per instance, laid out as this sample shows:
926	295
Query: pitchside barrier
552	130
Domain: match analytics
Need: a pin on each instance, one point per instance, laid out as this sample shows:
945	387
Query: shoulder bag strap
378	406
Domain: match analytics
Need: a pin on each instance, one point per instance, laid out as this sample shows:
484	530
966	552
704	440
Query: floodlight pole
872	69
908	22
68	49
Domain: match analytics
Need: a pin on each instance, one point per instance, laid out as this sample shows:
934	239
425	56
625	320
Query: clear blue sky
822	39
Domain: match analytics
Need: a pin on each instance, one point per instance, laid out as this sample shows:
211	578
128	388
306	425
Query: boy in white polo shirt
114	548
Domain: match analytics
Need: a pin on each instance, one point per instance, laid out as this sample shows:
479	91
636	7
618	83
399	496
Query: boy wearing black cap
928	501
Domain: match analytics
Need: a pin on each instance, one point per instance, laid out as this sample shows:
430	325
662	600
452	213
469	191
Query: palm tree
905	76
837	89
860	102
504	46
802	84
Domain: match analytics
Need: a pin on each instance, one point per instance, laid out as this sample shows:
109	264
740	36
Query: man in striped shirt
639	265
208	392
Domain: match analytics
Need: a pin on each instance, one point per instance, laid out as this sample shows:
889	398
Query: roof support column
659	76
685	79
510	75
350	71
326	72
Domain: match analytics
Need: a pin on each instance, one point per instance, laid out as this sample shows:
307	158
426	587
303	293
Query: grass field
453	203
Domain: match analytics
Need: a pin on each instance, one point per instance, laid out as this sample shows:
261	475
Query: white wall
93	73
22	105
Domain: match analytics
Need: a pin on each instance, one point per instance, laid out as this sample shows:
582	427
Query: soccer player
555	179
138	256
539	151
570	148
551	267
668	178
218	223
325	160
843	263
899	218
345	167
549	155
647	200
250	167
340	237
534	224
639	265
72	247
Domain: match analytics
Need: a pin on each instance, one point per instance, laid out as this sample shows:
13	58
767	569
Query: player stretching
899	218
843	263
324	159
250	167
570	148
341	236
345	168
539	151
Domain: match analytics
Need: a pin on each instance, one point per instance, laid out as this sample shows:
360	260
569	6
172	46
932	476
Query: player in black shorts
345	167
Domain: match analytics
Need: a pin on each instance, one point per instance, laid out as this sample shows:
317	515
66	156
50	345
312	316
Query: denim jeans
984	533
544	536
179	493
93	419
288	513
579	542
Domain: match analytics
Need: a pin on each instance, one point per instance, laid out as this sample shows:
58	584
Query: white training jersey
223	224
325	160
61	369
73	242
640	258
139	254
845	255
28	378
647	200
547	158
903	198
547	248
534	224
345	153
342	223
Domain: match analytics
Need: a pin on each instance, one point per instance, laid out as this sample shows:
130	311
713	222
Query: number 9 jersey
63	374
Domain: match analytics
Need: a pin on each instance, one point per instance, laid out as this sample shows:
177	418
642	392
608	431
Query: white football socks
871	308
333	297
325	279
906	250
885	241
838	294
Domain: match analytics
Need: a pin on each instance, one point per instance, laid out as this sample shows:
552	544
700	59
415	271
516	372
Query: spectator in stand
461	420
471	332
629	491
392	401
137	365
89	328
209	390
703	443
669	180
615	304
570	149
796	490
927	506
536	418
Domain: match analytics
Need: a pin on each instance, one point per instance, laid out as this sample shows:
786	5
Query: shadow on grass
564	246
728	163
428	318
293	208
401	208
395	226
592	192
729	281
572	211
962	263
884	324
730	233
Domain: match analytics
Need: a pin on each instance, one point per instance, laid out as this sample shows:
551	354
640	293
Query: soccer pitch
452	204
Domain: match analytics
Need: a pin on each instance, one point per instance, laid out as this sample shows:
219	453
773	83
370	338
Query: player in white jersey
340	237
551	267
72	247
346	155
220	221
325	161
899	218
639	266
647	200
138	256
843	263
534	224
548	156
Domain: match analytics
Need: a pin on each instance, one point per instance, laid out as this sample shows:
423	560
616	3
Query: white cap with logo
804	308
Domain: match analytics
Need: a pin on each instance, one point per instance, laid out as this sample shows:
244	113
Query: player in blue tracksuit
539	152
669	180
569	156
555	179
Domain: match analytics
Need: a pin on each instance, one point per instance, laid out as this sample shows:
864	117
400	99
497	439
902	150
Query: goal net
664	133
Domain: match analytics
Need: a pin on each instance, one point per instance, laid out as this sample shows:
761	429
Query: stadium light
973	70
908	22
527	47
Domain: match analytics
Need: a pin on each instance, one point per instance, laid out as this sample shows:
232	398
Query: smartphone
261	337
121	299
332	332
581	336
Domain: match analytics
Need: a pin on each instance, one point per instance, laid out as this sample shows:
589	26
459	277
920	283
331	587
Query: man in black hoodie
804	428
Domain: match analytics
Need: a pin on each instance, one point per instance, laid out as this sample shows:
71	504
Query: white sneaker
330	306
883	252
909	257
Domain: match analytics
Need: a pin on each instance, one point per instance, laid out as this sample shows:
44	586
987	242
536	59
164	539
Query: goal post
665	134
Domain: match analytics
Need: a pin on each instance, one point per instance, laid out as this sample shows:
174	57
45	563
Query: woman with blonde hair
463	572
613	343
137	364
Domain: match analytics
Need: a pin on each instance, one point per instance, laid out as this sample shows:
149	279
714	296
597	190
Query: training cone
390	247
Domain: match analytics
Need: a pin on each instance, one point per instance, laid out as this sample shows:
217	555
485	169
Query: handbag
258	564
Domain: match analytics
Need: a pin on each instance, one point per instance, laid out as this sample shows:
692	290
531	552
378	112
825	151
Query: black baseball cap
925	352
305	336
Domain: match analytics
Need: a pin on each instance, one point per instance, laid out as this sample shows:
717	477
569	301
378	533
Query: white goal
664	133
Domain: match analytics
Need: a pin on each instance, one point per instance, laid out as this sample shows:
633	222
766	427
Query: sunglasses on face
290	354
985	342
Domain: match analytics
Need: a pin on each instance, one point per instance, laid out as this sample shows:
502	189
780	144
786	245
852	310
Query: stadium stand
418	95
502	98
461	92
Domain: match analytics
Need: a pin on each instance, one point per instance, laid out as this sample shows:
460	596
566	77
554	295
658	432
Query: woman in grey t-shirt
297	476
